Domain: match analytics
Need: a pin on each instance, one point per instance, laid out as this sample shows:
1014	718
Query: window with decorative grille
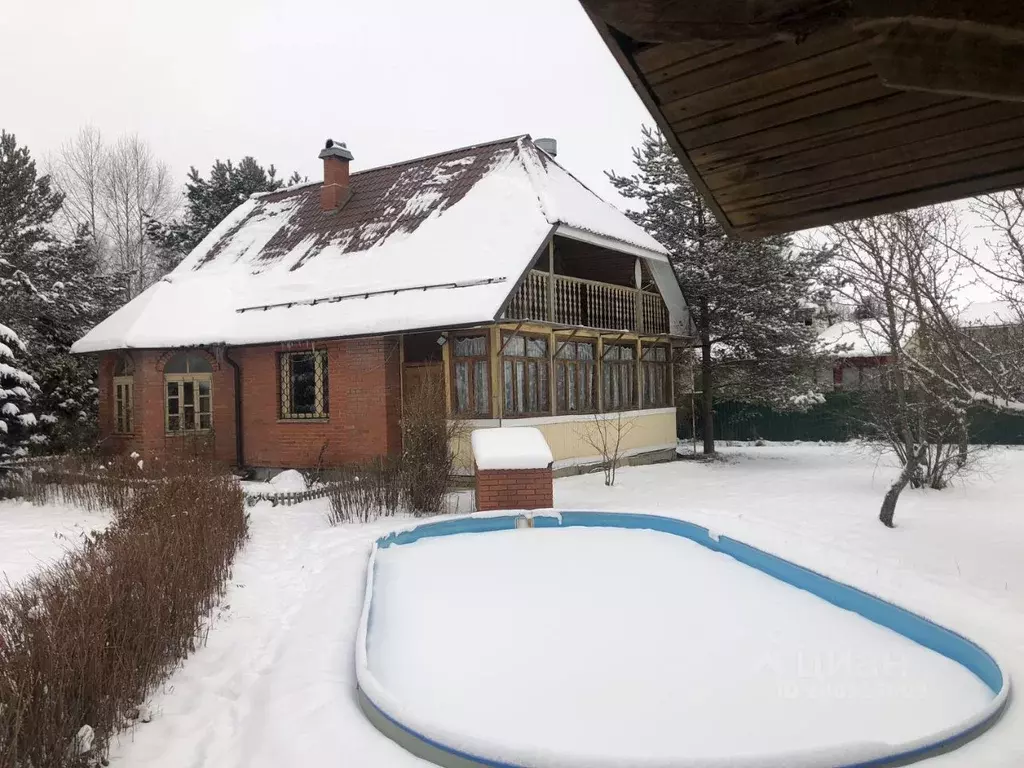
124	405
655	367
525	374
471	376
618	378
574	376
304	385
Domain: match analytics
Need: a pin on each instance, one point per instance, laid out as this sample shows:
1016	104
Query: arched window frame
188	394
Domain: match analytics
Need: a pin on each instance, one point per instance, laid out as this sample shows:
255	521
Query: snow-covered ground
32	537
275	685
590	646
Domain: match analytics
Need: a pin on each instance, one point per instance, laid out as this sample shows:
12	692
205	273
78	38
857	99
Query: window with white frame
124	396
304	385
188	394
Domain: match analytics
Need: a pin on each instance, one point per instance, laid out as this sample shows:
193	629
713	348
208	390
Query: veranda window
188	388
525	375
574	376
618	363
124	396
471	375
304	385
655	367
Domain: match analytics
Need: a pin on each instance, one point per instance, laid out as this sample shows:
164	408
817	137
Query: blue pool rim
385	713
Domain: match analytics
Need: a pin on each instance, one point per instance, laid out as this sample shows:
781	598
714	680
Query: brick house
292	334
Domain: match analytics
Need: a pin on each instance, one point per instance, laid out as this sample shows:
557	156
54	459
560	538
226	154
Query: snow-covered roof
435	242
989	314
858	338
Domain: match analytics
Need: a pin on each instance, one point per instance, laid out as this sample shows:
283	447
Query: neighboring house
292	334
857	351
991	318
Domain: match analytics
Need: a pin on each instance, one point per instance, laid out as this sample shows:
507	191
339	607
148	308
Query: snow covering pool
604	646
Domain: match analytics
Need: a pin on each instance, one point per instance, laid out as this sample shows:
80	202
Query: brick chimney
335	192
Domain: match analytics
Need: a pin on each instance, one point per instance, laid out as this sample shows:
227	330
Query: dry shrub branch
84	642
415	481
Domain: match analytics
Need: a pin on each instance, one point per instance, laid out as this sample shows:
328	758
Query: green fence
836	420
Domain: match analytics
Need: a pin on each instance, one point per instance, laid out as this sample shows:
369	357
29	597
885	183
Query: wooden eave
791	114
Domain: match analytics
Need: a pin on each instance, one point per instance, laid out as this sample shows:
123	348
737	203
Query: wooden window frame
543	388
124	405
181	379
471	361
321	384
562	366
664	371
615	367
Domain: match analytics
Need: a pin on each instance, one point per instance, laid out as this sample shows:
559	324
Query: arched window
188	393
124	395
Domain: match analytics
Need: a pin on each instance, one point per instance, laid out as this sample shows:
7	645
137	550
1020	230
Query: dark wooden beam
958	59
724	20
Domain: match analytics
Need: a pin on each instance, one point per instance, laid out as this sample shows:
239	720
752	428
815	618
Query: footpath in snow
275	684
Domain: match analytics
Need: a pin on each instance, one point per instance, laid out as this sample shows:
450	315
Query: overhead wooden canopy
791	114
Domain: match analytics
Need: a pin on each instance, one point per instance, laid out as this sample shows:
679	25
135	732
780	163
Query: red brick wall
364	379
514	489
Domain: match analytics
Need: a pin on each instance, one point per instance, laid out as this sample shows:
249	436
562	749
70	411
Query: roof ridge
302	185
432	155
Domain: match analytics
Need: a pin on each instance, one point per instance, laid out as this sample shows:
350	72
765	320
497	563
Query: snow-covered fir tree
208	201
53	292
750	301
16	389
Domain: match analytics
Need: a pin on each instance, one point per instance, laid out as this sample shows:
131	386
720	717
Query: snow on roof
857	338
429	243
989	314
510	448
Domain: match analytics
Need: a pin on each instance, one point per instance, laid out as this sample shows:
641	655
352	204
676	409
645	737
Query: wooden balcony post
638	297
551	280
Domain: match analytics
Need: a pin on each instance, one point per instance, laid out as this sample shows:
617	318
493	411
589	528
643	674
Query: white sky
395	79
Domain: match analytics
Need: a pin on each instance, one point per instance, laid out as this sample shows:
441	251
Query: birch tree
136	188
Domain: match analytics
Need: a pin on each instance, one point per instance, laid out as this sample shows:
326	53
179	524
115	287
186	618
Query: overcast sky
395	79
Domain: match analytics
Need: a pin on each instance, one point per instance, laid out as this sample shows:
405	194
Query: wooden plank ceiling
806	118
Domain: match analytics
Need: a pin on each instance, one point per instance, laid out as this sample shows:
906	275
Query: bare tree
906	267
605	435
135	188
77	169
115	192
1002	214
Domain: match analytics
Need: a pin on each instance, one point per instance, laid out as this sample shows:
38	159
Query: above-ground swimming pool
601	639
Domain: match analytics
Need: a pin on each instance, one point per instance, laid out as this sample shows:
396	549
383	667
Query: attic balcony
577	302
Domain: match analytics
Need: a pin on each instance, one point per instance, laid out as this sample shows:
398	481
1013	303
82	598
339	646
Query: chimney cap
547	145
334	148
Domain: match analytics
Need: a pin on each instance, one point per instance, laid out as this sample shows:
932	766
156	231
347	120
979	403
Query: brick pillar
514	489
513	469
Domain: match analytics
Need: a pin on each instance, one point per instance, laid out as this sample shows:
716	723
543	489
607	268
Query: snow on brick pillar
513	469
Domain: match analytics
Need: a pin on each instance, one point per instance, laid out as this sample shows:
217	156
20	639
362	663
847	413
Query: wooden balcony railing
588	304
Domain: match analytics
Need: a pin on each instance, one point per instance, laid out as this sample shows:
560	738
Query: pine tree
750	301
53	292
208	202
